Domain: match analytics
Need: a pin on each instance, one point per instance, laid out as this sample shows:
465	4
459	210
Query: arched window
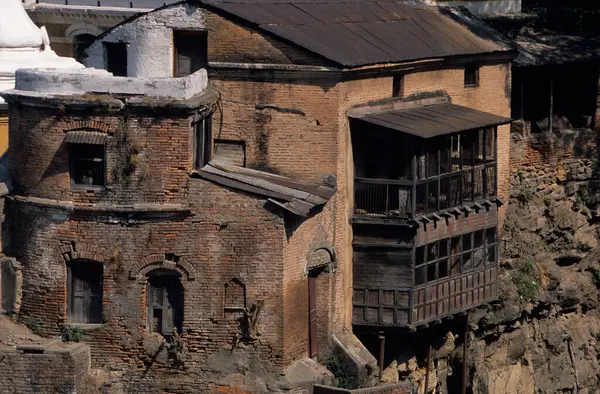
85	279
81	42
164	301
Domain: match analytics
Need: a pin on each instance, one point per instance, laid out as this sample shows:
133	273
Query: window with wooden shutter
164	301
85	292
202	143
190	51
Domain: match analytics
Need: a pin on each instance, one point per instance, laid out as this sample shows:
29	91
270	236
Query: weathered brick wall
39	157
539	160
58	370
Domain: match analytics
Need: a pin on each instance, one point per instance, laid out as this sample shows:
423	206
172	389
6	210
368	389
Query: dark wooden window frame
472	76
160	279
94	314
465	253
76	157
202	143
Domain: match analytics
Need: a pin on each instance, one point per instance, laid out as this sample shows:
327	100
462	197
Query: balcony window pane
455	265
478	239
445	156
431	251
431	272
420	256
479	147
467	261
455	152
421	167
421	199
443	251
490	152
445	193
478	257
478	183
490	235
420	275
466	242
490	174
467	187
491	255
467	146
432	197
432	163
455	182
455	245
443	268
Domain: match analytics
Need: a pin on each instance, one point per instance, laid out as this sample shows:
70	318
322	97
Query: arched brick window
164	301
85	280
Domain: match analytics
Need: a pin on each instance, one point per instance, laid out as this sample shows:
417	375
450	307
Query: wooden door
312	315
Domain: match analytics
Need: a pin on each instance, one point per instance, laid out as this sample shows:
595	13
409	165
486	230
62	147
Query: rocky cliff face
543	334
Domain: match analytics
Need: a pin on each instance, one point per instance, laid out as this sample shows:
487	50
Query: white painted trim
82	28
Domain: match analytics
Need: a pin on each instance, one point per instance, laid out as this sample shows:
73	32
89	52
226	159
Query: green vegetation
525	280
72	334
345	380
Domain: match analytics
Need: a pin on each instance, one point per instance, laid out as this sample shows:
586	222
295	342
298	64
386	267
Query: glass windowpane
443	268
478	236
490	235
431	272
466	242
420	275
432	197
420	256
431	252
443	248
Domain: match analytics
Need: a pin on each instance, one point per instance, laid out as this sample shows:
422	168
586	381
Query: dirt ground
12	334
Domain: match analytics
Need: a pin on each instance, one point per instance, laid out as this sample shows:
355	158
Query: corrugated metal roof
85	137
297	197
357	33
432	120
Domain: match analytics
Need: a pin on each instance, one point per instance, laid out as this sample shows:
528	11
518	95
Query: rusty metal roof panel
85	137
432	120
297	197
356	33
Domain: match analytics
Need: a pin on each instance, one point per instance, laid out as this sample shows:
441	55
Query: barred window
457	255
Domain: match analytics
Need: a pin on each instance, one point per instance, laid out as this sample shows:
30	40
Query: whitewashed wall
150	40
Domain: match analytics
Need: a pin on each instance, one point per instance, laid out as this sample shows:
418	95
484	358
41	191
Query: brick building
311	187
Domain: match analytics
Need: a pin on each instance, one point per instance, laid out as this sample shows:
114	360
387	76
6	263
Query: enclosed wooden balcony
421	161
400	286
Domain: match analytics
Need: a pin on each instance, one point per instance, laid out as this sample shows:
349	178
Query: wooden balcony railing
382	197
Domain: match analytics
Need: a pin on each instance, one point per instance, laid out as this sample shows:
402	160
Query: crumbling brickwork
62	369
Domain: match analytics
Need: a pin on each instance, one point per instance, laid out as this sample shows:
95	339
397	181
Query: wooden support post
381	354
464	366
427	370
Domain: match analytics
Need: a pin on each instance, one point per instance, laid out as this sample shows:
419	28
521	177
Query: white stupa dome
24	45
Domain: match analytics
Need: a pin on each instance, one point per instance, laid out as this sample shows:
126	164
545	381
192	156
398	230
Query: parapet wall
51	368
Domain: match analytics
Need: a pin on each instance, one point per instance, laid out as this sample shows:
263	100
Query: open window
82	42
85	279
398	86
190	51
116	58
164	301
202	143
87	158
472	76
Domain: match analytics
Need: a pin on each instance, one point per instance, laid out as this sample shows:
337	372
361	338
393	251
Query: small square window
87	164
471	76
